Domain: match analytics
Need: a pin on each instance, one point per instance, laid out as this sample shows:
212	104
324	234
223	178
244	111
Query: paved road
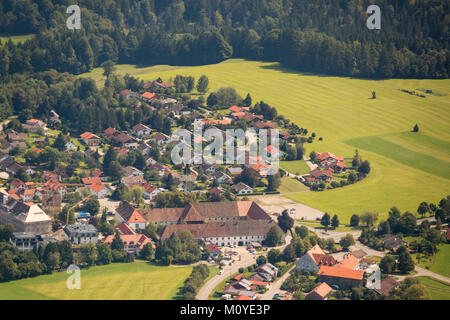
427	273
247	259
275	286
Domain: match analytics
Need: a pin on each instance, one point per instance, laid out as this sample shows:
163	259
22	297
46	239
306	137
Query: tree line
327	36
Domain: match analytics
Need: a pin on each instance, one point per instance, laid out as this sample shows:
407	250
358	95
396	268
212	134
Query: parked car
275	296
220	272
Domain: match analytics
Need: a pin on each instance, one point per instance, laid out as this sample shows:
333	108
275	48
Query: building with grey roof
81	233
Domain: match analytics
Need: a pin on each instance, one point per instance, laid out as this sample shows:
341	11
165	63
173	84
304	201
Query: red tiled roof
349	262
138	240
125	229
91	180
323	259
97	187
89	135
242	297
337	272
149	95
322	290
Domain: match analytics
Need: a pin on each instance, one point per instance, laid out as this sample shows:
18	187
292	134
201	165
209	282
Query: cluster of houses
328	164
132	239
353	271
246	289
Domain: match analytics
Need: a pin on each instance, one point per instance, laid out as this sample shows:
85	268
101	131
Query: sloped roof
322	290
337	272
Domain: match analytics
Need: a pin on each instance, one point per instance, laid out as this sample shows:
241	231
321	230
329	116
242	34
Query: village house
320	292
130	215
24	217
149	96
132	242
160	138
221	177
317	176
128	94
140	130
313	259
79	234
90	139
132	181
392	243
99	191
34	125
129	171
241	188
341	278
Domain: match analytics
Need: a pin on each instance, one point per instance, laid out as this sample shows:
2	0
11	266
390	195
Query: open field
297	167
15	38
438	290
439	262
134	281
407	168
290	185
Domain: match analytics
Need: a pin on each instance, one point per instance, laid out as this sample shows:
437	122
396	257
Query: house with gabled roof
90	139
132	242
99	190
140	130
321	292
130	215
149	96
341	278
313	259
241	188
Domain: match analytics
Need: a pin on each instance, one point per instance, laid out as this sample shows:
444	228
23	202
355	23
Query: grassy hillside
135	281
407	168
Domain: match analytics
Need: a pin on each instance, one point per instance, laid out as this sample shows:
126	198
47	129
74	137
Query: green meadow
16	38
407	168
122	281
438	289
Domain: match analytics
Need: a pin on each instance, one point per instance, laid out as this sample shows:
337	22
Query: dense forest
321	36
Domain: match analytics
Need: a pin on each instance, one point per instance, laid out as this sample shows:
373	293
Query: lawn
407	168
16	38
290	185
438	290
123	281
438	263
297	167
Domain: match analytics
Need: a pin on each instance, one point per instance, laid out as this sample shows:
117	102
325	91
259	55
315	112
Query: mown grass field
438	290
16	38
123	281
439	262
297	167
407	168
